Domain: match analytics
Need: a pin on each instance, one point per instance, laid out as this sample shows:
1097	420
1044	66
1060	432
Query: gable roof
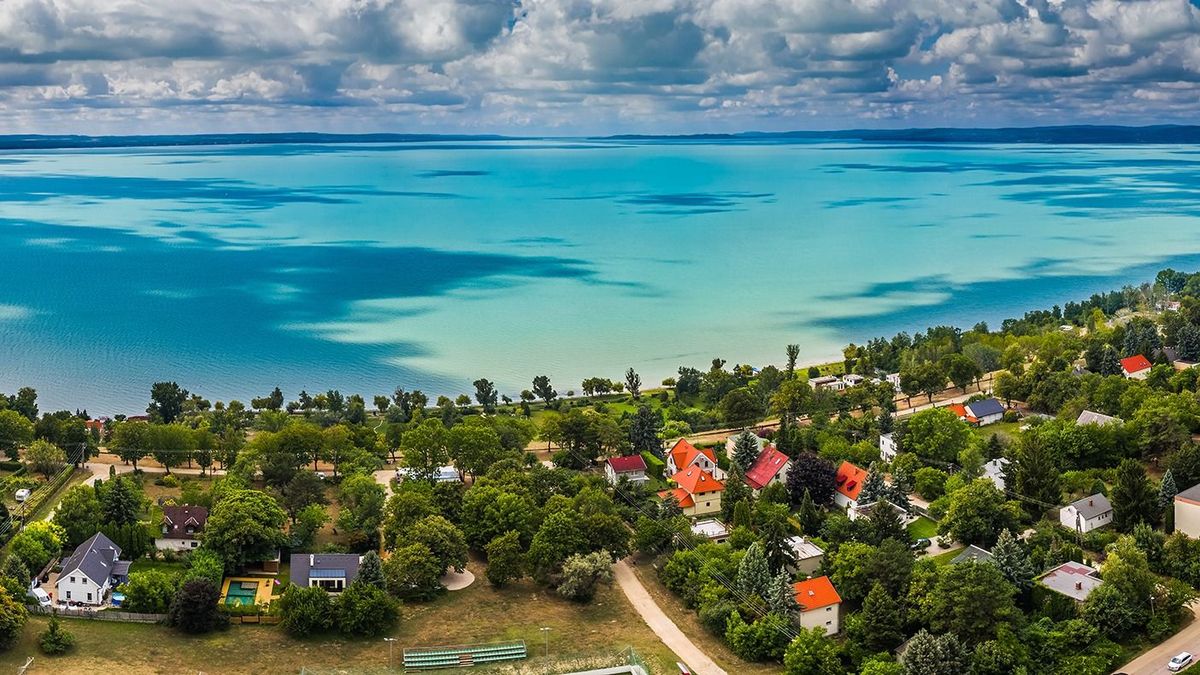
177	519
764	469
1072	579
816	593
684	453
630	463
961	410
974	553
1090	507
988	406
94	558
694	480
681	497
1135	364
1098	419
850	480
1190	495
324	565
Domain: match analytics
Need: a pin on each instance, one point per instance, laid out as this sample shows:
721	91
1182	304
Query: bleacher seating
463	657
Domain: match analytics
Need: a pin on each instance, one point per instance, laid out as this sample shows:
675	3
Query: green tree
873	488
582	573
426	449
166	402
205	564
745	450
55	639
362	507
303	489
488	512
474	447
765	639
977	513
1133	498
505	559
883	620
195	607
754	574
736	492
120	501
936	434
1034	474
972	600
811	653
1012	559
305	610
15	431
543	389
148	592
486	395
928	654
308	522
370	570
961	370
45	458
445	541
364	610
559	537
810	519
245	526
79	514
413	573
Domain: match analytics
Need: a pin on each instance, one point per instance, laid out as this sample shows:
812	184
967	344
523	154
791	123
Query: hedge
654	465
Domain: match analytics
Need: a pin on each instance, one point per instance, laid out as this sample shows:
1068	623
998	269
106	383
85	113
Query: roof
1099	419
95	558
768	465
850	480
974	553
1090	507
684	453
1191	494
624	464
694	479
1135	364
804	548
988	406
1072	579
177	519
816	593
711	528
681	497
961	410
324	566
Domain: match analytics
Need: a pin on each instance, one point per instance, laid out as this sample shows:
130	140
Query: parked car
1181	661
22	495
920	544
683	670
41	596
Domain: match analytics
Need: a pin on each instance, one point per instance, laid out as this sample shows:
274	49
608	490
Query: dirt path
661	624
1155	660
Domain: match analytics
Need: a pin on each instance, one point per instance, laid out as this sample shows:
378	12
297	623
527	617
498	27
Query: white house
852	380
987	411
1187	512
683	455
181	527
819	603
894	380
848	484
888	448
994	471
632	468
808	555
771	466
1095	418
91	572
831	382
1087	514
712	529
330	571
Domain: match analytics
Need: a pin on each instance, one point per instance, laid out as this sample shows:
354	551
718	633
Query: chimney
1079	585
1090	502
311	560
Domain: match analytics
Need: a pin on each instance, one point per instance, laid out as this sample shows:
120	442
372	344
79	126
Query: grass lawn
1007	431
145	564
945	558
923	528
477	614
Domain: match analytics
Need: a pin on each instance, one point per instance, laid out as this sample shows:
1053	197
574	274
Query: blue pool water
428	265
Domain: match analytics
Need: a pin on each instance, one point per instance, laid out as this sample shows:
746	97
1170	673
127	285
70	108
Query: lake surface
234	269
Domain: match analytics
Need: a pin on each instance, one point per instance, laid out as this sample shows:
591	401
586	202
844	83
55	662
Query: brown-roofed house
182	527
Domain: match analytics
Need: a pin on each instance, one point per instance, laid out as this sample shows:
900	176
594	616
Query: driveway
661	624
1155	660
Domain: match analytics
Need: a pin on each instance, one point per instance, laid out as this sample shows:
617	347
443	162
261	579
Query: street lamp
391	643
546	636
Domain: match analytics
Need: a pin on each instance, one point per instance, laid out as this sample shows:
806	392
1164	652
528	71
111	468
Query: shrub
304	611
581	574
195	609
55	639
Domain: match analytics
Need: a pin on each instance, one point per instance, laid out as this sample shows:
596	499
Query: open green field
477	614
923	528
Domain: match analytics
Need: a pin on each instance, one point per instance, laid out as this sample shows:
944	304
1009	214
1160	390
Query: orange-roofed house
683	455
962	412
1136	367
697	492
819	603
848	484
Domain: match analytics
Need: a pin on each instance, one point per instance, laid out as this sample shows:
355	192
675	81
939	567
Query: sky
564	67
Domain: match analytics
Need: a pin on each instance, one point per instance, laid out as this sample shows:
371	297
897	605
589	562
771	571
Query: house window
89	597
72	579
68	595
828	609
165	528
195	544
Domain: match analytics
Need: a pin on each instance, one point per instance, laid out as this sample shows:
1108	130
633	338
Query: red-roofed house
848	484
698	492
961	410
770	467
819	604
684	454
632	468
1136	367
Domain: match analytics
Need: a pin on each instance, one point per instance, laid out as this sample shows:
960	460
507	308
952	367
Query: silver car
1180	662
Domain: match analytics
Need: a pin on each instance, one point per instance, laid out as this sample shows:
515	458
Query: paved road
661	624
1155	661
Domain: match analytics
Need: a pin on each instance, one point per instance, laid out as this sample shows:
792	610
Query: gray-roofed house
972	553
808	555
91	572
1187	512
994	471
331	571
1072	579
987	411
182	527
1087	514
1095	418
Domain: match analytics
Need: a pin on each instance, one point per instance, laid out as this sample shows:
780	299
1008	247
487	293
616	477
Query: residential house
444	474
819	603
1136	367
972	553
894	380
852	380
1086	514
770	467
808	555
731	442
994	471
632	468
331	571
712	529
698	492
1072	579
181	527
961	410
848	484
888	448
683	455
1098	419
830	382
987	411
91	572
1187	512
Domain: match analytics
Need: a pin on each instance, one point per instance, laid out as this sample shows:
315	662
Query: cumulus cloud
592	66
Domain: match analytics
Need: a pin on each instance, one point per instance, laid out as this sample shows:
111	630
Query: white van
22	495
42	597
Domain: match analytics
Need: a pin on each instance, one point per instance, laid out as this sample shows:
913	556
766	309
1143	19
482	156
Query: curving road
662	625
1155	661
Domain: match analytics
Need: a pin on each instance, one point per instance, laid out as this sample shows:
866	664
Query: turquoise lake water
235	269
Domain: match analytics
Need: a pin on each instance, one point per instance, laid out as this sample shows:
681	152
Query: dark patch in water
449	173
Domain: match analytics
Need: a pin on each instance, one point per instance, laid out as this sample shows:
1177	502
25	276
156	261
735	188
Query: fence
96	615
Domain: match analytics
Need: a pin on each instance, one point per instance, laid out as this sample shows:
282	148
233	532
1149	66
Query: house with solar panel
331	571
986	411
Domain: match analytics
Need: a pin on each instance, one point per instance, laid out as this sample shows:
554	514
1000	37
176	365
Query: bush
581	574
304	611
168	481
195	608
364	610
55	640
930	483
654	465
